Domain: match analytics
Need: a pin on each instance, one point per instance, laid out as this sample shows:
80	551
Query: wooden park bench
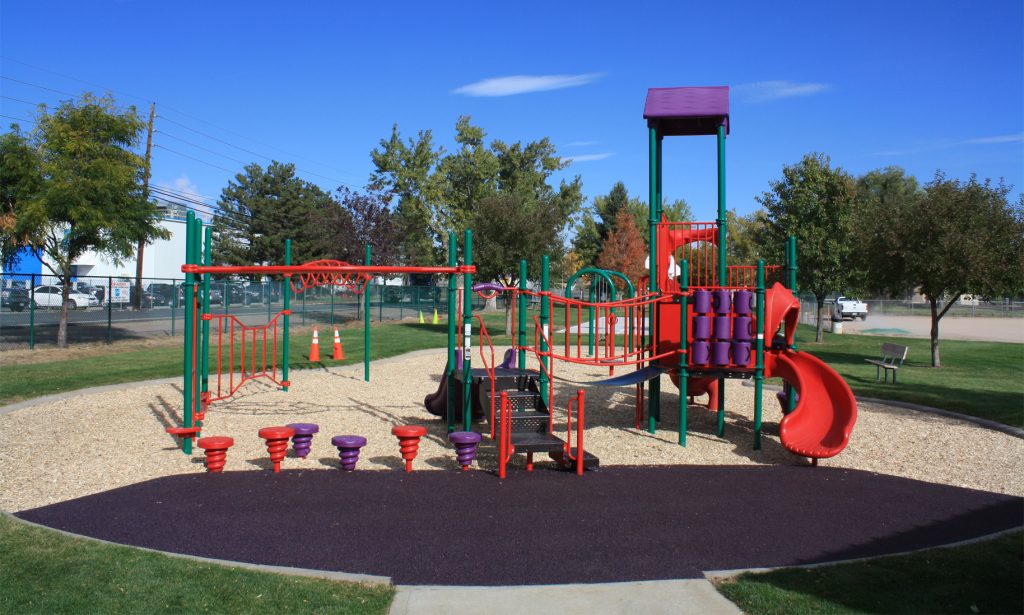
892	359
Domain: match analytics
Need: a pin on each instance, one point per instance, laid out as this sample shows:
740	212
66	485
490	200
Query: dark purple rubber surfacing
617	524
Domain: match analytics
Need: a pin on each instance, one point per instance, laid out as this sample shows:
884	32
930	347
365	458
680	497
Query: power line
167	134
35	85
27	102
19	119
210	164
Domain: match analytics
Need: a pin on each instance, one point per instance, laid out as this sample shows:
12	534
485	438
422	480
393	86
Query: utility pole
137	302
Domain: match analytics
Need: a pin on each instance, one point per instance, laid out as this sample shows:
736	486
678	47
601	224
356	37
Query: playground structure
693	318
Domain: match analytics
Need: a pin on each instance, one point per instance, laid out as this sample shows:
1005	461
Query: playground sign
120	292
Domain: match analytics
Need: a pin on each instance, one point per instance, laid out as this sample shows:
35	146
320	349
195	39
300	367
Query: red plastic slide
826	410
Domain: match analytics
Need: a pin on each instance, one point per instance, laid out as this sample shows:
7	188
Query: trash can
837	327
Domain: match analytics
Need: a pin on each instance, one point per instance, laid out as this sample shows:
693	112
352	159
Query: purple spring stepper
303	438
465	446
348	450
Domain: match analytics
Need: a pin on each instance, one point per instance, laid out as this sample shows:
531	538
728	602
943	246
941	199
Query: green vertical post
522	313
545	318
759	349
366	320
197	258
684	284
467	343
110	315
186	443
722	265
654	166
204	356
286	299
32	312
791	282
453	261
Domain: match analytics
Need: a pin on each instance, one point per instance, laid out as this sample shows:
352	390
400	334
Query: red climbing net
352	281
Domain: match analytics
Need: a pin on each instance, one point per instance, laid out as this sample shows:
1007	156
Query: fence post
174	302
110	287
32	312
332	305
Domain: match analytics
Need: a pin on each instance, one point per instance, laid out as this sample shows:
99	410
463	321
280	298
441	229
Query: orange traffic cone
339	352
314	348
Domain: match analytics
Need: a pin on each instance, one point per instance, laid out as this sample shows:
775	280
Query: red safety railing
695	242
580	420
488	366
254	347
745	276
505	449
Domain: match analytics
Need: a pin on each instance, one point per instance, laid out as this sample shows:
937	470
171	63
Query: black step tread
533	442
590	462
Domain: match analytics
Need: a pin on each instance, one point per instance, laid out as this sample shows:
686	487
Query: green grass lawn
978	578
43	571
981	379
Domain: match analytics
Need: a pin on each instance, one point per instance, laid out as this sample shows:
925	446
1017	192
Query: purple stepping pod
723	328
465	446
742	328
743	301
741	353
721	300
348	450
701	327
303	438
699	352
702	301
720	353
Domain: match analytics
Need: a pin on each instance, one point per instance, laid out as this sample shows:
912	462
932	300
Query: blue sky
923	85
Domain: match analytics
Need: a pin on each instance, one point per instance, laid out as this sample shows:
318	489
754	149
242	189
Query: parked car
16	298
5	293
850	308
50	296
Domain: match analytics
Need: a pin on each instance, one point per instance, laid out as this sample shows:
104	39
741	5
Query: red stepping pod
185	433
277	443
216	448
409	440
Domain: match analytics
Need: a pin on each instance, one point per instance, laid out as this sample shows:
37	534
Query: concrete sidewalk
696	596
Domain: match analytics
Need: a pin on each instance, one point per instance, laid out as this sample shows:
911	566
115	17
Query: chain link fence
100	308
968	307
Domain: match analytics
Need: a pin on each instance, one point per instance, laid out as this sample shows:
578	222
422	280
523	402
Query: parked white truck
849	308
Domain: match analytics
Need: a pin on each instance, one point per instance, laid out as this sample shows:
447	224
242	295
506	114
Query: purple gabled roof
687	111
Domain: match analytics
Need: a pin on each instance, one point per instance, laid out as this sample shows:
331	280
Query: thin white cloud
766	91
948	144
582	143
524	84
588	157
1017	138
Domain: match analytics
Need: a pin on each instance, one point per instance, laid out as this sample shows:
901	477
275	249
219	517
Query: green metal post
467	343
791	281
186	443
366	321
453	261
110	315
721	258
759	349
545	318
654	166
32	312
197	258
286	299
684	284
522	313
204	357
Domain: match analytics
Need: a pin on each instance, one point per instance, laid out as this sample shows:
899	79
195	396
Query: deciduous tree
814	202
624	250
85	192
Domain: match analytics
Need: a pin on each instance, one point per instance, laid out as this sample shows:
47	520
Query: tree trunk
820	299
62	327
508	317
936	361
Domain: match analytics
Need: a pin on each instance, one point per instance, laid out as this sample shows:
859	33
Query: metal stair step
590	462
534	442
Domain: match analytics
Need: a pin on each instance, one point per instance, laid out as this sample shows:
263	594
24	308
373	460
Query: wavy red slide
826	410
